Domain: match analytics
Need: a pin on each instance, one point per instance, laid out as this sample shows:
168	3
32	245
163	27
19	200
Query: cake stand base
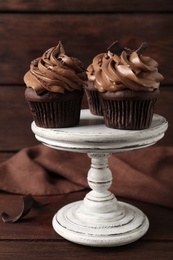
100	220
74	223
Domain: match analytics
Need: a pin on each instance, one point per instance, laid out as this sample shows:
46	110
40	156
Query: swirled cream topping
124	69
55	72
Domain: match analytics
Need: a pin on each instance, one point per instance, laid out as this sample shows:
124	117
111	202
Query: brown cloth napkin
145	174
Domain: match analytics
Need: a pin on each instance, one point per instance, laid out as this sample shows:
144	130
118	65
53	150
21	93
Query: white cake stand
100	220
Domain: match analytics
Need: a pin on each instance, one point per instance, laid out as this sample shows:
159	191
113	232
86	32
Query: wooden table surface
34	237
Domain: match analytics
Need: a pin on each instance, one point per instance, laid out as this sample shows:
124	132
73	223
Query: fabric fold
145	174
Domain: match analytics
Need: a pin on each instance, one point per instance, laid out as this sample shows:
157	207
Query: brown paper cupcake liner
129	115
94	102
57	114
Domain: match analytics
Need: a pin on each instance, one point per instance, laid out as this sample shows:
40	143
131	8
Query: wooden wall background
28	28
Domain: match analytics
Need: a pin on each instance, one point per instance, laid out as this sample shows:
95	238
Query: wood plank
15	118
89	6
164	108
38	224
66	250
36	33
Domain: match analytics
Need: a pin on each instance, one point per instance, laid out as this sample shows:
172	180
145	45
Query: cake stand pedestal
100	220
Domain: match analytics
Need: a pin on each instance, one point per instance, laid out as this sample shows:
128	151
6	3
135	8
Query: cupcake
55	89
128	85
93	99
92	93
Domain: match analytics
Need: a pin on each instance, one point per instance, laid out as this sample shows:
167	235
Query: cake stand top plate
91	135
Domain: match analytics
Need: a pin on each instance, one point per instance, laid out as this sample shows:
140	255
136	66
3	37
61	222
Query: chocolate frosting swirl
124	69
55	72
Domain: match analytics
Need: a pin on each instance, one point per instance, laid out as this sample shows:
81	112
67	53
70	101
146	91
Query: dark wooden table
34	237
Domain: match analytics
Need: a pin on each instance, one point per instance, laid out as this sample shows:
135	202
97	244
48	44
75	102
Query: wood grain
34	237
86	6
29	228
31	250
52	249
26	37
15	130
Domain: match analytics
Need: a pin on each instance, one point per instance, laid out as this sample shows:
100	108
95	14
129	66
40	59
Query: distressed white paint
100	220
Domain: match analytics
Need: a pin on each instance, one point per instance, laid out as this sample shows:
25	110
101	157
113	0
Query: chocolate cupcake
128	85
93	99
55	89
